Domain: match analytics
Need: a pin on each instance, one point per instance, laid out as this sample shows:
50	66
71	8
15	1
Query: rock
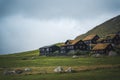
33	57
96	55
75	56
8	72
69	70
59	69
112	53
28	69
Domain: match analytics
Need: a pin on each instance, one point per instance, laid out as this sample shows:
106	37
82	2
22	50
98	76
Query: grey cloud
19	33
58	8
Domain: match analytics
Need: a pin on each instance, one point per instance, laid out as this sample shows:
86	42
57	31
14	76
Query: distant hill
25	54
108	27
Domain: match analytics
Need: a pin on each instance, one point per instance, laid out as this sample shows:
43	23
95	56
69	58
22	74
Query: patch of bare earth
50	69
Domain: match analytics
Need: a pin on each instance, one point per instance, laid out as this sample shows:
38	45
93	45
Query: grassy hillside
87	68
27	54
108	27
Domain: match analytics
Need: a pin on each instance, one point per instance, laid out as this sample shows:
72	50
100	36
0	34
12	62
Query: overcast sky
30	24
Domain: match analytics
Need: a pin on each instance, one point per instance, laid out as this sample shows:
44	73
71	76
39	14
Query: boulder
59	69
27	69
75	56
33	58
112	53
6	72
96	55
69	70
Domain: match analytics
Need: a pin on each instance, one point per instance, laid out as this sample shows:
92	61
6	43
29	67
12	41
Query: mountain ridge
108	27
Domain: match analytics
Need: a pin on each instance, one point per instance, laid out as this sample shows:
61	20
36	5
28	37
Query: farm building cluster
91	43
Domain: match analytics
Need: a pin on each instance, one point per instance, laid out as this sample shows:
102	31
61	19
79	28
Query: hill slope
108	27
25	54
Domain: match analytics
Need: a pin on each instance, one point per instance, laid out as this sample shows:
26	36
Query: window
68	47
80	46
50	49
62	47
42	49
47	49
68	43
62	51
72	47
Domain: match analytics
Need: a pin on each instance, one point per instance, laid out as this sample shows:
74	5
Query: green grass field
87	68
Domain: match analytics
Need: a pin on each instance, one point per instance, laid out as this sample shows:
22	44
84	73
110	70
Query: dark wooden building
47	50
118	33
72	45
91	39
112	38
102	48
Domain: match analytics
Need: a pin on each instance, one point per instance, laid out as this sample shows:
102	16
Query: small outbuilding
102	48
112	38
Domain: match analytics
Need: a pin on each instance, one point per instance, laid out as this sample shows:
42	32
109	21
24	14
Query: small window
68	43
42	49
50	49
80	46
62	47
47	49
72	47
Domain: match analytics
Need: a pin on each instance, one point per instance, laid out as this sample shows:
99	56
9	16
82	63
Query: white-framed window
72	47
47	49
62	47
62	51
42	49
68	43
50	49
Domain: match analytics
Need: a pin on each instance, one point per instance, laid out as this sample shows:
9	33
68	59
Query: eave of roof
100	46
89	37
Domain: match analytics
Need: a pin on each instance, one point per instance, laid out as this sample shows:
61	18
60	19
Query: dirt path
44	70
